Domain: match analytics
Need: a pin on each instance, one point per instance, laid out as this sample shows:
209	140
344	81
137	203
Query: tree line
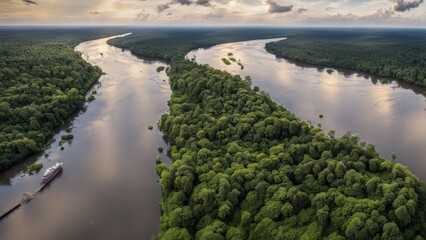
244	167
42	81
174	43
398	54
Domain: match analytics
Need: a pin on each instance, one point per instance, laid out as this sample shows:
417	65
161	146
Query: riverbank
215	119
397	54
112	147
348	100
31	110
260	171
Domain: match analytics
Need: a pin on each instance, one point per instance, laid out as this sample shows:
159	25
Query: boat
51	172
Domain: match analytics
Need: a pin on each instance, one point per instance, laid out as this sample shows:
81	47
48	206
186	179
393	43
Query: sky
285	13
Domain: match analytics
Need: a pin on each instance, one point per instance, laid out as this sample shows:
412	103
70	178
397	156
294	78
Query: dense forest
245	168
42	81
399	54
167	44
242	167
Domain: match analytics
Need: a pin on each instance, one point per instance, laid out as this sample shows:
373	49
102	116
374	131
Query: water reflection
108	188
390	115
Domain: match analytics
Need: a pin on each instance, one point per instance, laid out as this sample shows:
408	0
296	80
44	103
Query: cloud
160	8
402	5
95	12
381	14
205	3
143	15
28	2
301	10
182	2
275	8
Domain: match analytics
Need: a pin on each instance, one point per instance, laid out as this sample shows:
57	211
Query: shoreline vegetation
35	167
244	167
393	54
226	61
43	81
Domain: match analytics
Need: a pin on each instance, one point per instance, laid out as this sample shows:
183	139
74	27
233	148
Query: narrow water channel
390	115
108	188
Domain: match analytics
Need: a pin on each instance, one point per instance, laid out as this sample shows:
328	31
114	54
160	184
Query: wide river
108	188
391	116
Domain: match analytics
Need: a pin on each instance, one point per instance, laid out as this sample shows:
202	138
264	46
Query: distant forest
42	81
175	43
399	54
245	168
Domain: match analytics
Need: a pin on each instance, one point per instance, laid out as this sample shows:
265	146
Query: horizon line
209	26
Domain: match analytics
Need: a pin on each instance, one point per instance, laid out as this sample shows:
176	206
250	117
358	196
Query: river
392	116
108	188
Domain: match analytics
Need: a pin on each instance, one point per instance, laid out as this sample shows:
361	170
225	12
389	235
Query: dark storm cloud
275	8
402	5
29	2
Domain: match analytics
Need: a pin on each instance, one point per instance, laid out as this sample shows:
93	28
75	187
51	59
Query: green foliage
91	98
246	168
226	61
35	167
65	138
393	155
42	81
160	68
313	232
150	127
160	149
175	43
399	54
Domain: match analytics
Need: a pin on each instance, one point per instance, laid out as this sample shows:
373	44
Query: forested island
245	168
398	54
43	81
242	167
174	43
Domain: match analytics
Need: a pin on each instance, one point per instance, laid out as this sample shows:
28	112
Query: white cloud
306	12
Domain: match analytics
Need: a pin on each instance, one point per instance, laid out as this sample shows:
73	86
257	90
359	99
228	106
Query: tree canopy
42	81
246	168
399	54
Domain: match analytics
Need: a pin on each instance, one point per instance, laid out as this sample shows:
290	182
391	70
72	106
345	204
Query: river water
391	116
108	188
